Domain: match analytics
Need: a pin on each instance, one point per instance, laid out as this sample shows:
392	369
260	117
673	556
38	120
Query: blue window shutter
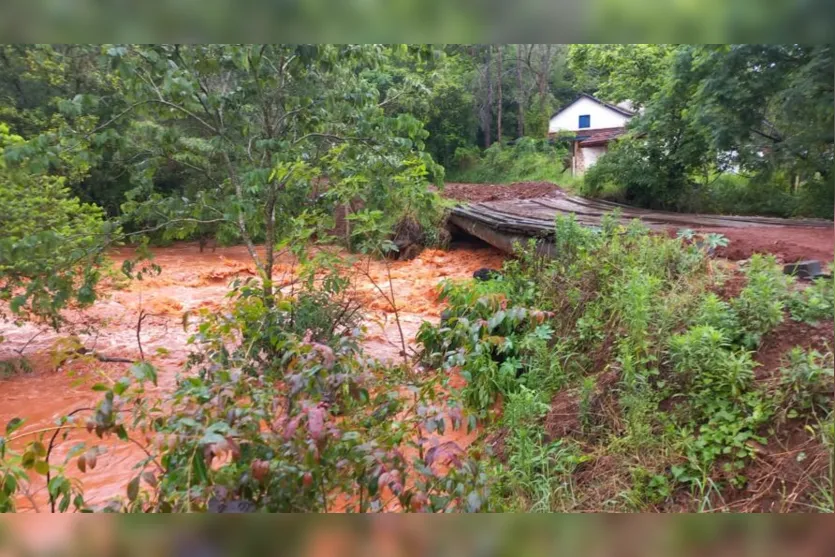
585	121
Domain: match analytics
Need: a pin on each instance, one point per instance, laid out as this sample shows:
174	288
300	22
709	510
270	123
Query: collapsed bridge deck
506	221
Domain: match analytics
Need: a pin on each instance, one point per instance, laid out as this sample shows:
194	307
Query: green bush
733	194
637	172
815	302
718	314
761	303
528	159
650	369
806	383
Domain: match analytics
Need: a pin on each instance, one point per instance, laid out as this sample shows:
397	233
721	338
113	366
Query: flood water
189	281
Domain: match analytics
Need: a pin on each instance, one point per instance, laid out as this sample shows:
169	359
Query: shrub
718	314
528	159
760	304
806	383
814	303
321	428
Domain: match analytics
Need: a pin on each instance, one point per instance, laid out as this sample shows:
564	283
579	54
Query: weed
588	387
760	304
716	313
806	383
684	409
648	488
539	472
814	303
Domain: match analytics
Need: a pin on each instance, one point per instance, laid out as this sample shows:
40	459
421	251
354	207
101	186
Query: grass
660	408
528	160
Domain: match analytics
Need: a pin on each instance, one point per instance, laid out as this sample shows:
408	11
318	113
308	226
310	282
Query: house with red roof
593	124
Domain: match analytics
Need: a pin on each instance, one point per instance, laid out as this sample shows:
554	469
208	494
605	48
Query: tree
50	243
51	90
487	105
774	99
255	124
499	68
521	97
763	110
622	72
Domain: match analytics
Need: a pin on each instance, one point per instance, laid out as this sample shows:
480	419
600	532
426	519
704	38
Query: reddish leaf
445	453
316	422
291	427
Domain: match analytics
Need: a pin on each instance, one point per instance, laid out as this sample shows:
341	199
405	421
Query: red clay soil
479	193
787	335
788	244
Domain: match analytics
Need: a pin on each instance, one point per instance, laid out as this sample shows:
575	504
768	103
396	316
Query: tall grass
527	160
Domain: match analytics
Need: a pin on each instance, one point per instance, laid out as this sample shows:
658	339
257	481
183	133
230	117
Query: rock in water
486	273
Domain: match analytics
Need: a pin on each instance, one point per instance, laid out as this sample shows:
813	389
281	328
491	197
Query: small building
594	124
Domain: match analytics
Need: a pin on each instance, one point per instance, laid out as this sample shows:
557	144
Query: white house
594	123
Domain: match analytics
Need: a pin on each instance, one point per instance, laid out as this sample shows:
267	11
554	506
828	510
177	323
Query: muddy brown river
189	280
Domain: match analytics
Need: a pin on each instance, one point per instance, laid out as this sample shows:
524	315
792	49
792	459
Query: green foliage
538	471
622	72
702	357
55	94
717	314
268	419
50	243
757	110
484	336
648	488
645	365
528	159
760	304
806	383
813	303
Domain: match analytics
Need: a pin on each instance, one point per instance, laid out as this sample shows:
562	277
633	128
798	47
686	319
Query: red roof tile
602	136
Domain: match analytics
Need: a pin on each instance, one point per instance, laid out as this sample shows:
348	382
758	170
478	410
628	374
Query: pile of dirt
788	244
785	477
478	193
563	419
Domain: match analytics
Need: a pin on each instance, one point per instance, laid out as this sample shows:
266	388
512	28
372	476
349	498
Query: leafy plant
814	303
806	383
760	304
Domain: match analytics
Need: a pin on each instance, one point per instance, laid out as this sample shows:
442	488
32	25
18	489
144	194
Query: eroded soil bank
190	280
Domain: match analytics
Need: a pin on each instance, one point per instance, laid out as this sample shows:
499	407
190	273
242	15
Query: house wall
601	117
591	154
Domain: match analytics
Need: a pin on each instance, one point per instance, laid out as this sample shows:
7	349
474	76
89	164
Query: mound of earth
477	193
788	244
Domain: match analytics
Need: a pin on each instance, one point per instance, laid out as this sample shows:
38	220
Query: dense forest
338	154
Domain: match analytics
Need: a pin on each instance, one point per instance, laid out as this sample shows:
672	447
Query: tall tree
622	72
487	107
499	71
257	123
520	94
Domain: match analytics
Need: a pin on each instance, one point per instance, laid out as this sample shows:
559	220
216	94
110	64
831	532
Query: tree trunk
520	93
544	70
487	116
499	63
269	245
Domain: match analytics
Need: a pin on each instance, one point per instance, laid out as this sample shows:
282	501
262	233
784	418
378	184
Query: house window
585	121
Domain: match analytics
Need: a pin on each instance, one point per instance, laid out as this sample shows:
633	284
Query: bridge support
501	240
